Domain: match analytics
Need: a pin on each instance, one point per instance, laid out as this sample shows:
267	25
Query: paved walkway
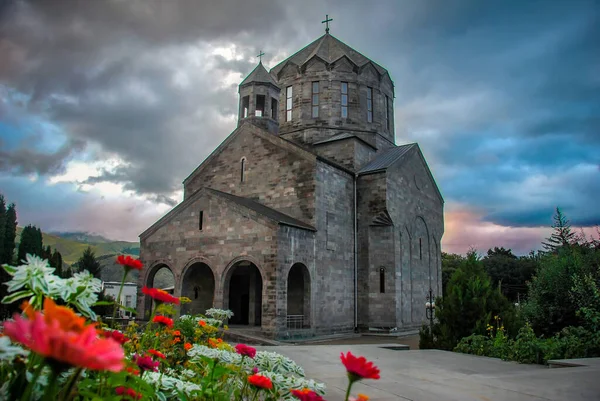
431	375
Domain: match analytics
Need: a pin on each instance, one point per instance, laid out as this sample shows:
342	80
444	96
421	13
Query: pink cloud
465	229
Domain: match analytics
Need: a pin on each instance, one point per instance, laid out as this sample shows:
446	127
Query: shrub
468	307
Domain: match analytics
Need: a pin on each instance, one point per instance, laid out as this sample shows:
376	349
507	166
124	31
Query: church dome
328	89
330	50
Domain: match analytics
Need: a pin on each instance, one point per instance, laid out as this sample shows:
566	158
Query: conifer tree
2	226
57	262
10	234
88	262
562	236
31	242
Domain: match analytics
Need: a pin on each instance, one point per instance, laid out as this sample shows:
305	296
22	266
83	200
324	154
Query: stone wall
334	262
349	152
277	174
230	233
330	79
416	208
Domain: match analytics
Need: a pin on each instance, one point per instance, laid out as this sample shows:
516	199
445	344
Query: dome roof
259	75
329	49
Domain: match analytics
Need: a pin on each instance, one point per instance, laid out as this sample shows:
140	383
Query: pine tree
562	236
88	262
2	226
57	262
31	242
10	234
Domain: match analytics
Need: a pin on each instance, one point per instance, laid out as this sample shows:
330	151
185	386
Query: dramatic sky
106	106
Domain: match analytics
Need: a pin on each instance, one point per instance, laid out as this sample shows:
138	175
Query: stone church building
308	219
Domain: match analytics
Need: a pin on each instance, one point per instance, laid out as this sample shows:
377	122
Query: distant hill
71	245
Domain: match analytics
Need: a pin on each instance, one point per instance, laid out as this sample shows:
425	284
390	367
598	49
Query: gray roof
266	211
337	137
386	158
259	74
329	49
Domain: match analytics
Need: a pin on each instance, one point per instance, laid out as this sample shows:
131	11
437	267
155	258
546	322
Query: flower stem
71	384
350	382
118	300
50	393
27	393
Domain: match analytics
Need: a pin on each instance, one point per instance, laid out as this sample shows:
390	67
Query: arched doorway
298	297
244	285
198	284
159	276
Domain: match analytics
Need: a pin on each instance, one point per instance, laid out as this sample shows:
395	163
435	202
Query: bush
469	307
571	342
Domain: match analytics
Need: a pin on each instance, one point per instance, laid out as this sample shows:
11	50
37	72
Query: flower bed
58	349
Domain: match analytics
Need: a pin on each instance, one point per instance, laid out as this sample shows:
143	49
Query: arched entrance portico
243	293
298	297
197	284
159	276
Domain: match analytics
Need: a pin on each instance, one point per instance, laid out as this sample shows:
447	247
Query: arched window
382	280
243	169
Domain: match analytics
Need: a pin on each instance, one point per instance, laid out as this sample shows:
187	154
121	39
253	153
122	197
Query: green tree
508	272
31	242
2	226
469	304
10	234
562	236
56	261
88	262
450	262
550	306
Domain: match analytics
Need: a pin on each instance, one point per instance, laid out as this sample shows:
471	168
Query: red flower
146	363
128	392
307	395
260	381
163	320
245	350
187	346
160	295
115	335
46	336
129	262
359	368
157	354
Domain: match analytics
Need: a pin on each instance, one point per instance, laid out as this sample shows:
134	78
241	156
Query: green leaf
128	309
15	296
10	269
161	396
103	303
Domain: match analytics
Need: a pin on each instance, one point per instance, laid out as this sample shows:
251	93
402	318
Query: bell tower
259	99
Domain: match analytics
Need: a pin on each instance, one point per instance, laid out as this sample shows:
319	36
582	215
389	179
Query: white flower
170	384
8	351
277	363
213	353
33	274
219	314
283	384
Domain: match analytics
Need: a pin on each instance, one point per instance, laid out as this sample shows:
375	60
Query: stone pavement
432	375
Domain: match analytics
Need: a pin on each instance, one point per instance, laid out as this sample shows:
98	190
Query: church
307	219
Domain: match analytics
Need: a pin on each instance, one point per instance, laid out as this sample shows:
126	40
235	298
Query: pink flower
82	349
245	350
146	363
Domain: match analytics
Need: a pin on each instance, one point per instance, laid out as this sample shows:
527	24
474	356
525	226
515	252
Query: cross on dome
326	22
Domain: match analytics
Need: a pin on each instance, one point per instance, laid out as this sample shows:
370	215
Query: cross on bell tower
326	22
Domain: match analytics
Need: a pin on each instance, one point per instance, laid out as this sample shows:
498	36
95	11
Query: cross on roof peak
260	54
326	22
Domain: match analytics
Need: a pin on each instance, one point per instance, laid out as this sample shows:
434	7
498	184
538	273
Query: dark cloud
27	161
501	96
